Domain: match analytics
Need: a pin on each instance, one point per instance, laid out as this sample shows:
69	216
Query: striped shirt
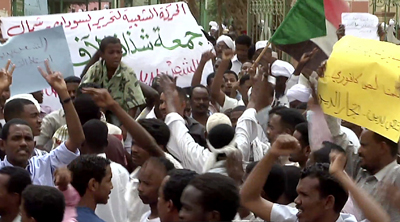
42	168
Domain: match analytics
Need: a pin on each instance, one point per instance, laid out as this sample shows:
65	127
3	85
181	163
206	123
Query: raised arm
205	57
253	186
142	138
6	76
216	92
75	131
372	210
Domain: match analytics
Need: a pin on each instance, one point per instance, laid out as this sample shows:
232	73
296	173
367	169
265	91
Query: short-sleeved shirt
123	85
86	214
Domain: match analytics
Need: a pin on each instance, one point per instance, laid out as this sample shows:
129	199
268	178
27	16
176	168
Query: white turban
262	44
227	40
214	24
27	97
299	92
282	68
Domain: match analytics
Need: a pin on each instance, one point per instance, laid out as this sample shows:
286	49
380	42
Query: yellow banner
359	85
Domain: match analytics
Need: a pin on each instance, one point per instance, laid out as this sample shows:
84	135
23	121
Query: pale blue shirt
42	168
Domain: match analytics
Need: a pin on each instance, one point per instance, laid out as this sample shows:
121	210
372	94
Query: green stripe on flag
305	21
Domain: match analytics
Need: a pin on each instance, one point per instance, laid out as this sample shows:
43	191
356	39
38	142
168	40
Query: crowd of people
253	144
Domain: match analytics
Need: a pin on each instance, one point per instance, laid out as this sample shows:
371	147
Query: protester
209	197
242	45
53	121
95	143
170	192
13	180
150	177
91	177
17	137
42	204
116	76
199	102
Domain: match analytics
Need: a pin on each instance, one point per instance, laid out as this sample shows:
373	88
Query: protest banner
362	25
359	85
35	7
28	51
155	39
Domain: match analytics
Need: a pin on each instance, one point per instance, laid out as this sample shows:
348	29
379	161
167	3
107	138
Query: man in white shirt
242	44
116	209
13	180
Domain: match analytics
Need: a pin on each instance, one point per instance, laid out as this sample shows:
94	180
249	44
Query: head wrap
227	40
299	92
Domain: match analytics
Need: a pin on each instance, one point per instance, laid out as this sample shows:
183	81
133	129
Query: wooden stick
261	55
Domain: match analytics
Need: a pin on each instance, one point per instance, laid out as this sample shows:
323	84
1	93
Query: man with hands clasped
322	190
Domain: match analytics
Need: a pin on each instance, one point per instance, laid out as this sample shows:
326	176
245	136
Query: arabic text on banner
362	25
359	85
28	51
156	39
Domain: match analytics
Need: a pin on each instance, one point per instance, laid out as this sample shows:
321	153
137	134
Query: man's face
309	201
274	128
150	178
234	116
301	155
163	206
31	115
139	155
192	210
163	106
369	151
112	55
245	67
72	88
19	144
4	96
219	48
242	52
230	79
7	200
200	100
24	215
246	86
104	188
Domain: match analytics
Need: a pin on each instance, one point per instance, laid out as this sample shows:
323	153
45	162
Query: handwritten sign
359	85
28	51
35	7
156	39
362	25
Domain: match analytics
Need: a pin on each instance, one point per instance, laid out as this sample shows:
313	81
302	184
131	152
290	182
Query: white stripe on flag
326	43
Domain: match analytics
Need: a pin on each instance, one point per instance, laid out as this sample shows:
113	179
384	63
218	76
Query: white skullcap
299	92
217	119
262	44
282	68
27	97
213	24
227	40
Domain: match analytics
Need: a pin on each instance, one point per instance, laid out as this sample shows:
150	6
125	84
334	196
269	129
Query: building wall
6	6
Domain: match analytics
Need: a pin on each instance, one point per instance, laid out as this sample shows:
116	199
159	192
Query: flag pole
261	55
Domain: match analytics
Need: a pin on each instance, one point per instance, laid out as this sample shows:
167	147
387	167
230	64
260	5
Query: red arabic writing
187	67
163	12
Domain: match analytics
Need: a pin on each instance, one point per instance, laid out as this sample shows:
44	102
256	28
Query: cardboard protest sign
359	85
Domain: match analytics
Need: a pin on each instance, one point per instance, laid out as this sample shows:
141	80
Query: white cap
262	44
27	97
299	92
217	119
227	40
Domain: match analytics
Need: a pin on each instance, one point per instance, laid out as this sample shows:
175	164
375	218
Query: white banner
156	39
362	25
